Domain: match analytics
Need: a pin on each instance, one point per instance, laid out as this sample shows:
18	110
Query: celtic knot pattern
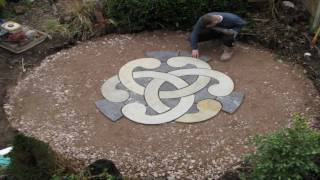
181	89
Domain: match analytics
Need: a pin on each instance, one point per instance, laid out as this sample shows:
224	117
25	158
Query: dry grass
53	27
81	25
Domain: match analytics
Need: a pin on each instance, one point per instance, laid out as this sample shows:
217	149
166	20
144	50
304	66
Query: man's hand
195	53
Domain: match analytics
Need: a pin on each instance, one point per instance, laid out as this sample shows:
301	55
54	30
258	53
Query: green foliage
52	26
2	3
31	159
2	170
152	14
286	154
81	25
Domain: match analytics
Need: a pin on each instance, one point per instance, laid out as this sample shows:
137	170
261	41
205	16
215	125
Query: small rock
155	174
288	4
280	61
307	54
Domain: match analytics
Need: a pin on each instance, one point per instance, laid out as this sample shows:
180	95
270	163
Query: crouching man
217	25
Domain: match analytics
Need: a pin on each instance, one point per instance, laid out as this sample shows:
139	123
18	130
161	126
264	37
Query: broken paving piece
110	109
207	109
231	102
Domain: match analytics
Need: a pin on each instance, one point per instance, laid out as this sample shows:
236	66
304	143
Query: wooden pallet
19	48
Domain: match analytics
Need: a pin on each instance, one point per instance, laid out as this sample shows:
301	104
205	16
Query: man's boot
227	53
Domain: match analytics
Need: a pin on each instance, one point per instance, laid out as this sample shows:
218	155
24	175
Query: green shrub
31	159
53	27
286	154
2	3
137	15
81	25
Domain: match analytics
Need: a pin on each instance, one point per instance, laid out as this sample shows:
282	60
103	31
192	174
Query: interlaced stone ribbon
175	72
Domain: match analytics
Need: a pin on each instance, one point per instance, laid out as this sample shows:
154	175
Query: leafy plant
2	170
81	25
2	3
31	159
286	154
52	26
152	14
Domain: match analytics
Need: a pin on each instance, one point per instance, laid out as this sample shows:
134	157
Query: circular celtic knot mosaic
181	89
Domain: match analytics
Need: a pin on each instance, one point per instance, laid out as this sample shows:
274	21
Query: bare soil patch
55	103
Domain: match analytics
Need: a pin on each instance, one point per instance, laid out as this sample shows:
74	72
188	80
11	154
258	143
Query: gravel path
55	103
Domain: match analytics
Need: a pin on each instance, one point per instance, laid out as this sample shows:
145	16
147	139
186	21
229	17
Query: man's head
210	21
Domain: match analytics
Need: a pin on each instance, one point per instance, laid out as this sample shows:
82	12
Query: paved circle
148	68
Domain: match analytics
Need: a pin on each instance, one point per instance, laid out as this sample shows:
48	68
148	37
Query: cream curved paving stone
152	90
183	61
125	73
111	93
136	112
183	80
223	88
199	84
208	108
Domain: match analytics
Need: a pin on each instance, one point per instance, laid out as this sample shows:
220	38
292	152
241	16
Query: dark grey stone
188	54
162	55
165	55
193	109
190	79
171	102
167	87
204	94
143	81
231	102
165	68
110	109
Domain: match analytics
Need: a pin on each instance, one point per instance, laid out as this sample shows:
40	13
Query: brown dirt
55	103
10	64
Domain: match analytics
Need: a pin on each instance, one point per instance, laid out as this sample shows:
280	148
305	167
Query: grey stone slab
171	102
204	94
167	87
188	54
162	55
189	79
121	86
165	68
165	55
143	81
134	97
193	108
110	109
231	102
140	99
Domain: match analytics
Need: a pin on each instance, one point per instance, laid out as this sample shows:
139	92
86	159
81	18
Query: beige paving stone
207	109
111	93
136	112
125	73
